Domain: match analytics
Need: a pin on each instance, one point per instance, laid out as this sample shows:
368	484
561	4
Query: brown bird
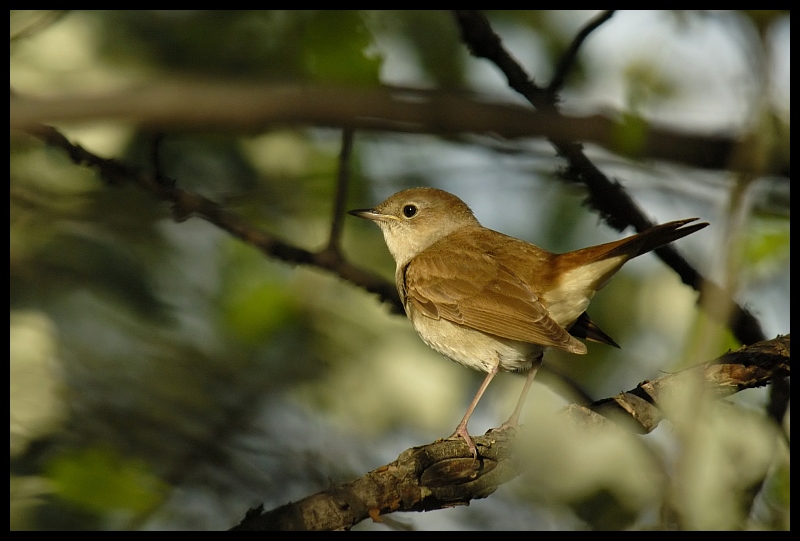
492	302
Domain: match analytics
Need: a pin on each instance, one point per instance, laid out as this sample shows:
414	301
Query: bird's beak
371	214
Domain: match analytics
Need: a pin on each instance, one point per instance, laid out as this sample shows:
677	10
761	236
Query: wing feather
471	288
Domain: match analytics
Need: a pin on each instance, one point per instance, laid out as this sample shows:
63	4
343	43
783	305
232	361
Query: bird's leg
461	429
513	421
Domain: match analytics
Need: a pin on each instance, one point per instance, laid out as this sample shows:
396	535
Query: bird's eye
409	211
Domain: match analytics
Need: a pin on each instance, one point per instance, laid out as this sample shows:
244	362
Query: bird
492	302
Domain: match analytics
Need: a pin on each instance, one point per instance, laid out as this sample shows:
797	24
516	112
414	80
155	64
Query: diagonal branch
748	367
609	198
186	204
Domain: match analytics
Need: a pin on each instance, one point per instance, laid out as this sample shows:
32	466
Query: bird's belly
475	349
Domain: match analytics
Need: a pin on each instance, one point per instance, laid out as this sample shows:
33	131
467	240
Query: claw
461	432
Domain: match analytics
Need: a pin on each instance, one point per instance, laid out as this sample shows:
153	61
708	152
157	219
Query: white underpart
576	288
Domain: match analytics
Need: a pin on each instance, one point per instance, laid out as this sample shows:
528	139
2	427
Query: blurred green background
165	375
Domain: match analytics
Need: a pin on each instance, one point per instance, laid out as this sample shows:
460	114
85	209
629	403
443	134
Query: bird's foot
508	425
512	425
461	432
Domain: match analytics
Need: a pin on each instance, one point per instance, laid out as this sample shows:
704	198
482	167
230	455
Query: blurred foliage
767	245
99	481
166	375
297	45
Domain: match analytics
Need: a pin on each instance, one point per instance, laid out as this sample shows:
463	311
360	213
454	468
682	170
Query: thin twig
47	18
566	62
340	198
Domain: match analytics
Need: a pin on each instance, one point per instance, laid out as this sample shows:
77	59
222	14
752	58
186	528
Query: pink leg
513	421
461	429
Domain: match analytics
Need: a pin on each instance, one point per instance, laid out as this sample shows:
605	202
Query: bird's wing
471	288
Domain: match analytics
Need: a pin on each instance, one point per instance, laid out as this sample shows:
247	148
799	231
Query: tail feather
587	329
630	247
660	235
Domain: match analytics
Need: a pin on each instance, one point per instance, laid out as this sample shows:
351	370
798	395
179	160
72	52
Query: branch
442	474
340	199
746	368
566	62
198	106
609	198
434	476
186	204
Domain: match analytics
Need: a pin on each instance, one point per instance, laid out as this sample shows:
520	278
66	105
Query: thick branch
434	476
442	474
198	106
